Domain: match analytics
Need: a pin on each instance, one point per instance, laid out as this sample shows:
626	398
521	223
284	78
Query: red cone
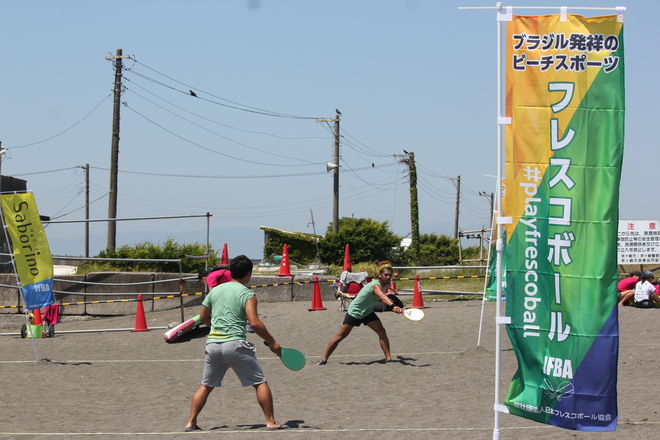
285	270
418	301
225	255
140	319
347	259
317	302
37	317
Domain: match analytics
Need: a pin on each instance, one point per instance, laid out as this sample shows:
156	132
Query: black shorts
644	304
348	319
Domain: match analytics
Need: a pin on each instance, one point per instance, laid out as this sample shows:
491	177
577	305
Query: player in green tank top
361	311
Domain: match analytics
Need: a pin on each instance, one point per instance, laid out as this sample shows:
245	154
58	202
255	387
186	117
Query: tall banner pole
499	246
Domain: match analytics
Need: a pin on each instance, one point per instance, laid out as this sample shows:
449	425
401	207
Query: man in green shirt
225	310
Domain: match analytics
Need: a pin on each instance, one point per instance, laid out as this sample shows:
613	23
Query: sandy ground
126	385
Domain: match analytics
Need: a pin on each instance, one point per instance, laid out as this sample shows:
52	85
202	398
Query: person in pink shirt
218	275
626	288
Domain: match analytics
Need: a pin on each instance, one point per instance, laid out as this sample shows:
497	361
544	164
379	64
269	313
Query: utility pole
114	154
2	154
458	203
334	166
317	257
86	168
409	159
335	183
491	196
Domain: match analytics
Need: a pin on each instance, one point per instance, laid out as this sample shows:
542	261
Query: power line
432	173
438	214
471	192
225	137
374	190
467	206
198	176
64	131
435	193
354	173
217	122
368	149
211	150
44	172
234	105
55	217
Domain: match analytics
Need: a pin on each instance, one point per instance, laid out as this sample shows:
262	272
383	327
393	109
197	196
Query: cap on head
647	275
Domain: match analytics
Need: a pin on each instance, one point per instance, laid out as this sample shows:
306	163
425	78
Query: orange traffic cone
347	259
317	302
285	270
225	255
418	301
140	319
37	317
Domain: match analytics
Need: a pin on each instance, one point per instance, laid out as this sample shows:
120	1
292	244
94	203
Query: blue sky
416	75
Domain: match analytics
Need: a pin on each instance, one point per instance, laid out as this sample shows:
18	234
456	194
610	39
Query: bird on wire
193	94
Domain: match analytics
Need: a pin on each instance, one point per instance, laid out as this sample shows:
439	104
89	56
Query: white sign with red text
639	242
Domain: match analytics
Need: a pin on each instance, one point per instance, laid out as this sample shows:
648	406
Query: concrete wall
109	288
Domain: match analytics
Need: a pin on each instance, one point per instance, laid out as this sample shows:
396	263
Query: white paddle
414	314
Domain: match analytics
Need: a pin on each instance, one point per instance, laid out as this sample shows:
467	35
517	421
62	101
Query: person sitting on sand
626	288
225	311
646	295
361	311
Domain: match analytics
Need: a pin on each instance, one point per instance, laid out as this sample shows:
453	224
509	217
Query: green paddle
291	358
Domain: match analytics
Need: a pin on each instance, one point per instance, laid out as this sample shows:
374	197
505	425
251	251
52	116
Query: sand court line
263	431
299	430
335	356
201	359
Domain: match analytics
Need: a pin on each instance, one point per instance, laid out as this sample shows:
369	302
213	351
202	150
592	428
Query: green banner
34	263
564	149
491	284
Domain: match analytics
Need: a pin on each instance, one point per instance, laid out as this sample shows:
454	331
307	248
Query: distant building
12	184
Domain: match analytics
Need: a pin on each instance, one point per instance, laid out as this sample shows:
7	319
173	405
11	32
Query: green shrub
149	251
369	242
301	246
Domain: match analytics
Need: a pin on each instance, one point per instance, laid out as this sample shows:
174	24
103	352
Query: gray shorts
239	355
